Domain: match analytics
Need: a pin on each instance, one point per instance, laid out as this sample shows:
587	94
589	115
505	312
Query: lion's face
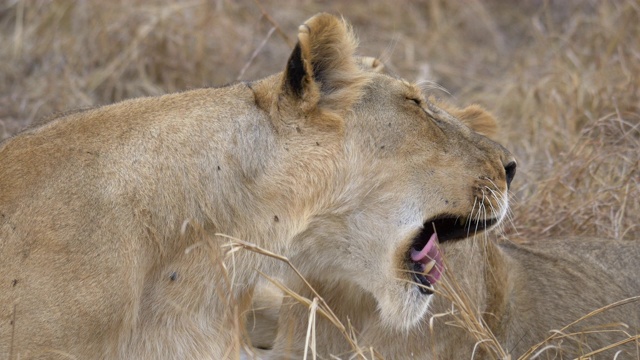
410	169
419	171
406	176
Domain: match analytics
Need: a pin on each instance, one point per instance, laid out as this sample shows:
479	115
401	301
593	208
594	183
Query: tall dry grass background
562	77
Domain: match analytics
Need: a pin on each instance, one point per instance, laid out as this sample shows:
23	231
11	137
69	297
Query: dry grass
562	76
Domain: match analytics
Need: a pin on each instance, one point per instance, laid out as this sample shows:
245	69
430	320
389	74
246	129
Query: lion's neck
497	288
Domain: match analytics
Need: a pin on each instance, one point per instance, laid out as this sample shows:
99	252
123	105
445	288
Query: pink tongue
427	254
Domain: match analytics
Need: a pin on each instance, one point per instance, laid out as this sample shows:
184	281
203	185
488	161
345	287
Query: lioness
108	217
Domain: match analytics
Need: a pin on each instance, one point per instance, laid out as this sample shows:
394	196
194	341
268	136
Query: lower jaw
423	285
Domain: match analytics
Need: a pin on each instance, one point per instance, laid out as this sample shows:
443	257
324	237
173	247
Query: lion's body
521	292
552	283
93	207
108	217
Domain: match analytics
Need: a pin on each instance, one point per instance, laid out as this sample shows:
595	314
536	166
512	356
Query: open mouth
425	258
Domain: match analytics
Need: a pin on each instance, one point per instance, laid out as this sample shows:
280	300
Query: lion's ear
322	72
479	120
370	63
474	116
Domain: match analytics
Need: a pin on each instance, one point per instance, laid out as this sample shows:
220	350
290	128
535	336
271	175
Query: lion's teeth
428	266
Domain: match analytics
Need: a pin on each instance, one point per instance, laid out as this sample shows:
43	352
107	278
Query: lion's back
561	281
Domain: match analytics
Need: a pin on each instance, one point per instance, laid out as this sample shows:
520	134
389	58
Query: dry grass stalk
561	333
467	316
317	305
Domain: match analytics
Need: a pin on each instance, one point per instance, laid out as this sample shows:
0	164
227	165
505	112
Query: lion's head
400	172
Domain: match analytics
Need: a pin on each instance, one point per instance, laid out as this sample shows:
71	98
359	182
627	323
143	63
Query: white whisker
470	217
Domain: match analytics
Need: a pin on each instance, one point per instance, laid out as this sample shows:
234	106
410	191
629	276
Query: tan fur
523	293
108	216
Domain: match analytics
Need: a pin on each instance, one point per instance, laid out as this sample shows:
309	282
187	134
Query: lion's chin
403	311
403	305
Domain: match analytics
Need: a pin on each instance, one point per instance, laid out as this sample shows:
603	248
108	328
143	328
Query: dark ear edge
295	72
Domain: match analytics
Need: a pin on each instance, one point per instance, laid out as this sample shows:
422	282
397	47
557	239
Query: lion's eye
415	100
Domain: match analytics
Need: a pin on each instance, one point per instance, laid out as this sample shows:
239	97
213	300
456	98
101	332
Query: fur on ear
474	116
479	120
322	71
370	63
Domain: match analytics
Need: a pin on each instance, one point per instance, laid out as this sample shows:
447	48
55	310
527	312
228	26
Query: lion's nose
510	171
